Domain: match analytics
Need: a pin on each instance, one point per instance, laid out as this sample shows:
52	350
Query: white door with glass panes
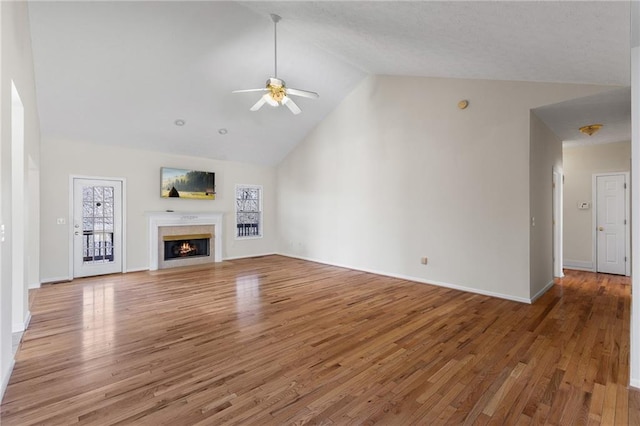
97	227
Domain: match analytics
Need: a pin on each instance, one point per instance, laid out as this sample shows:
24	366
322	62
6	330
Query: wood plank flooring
274	340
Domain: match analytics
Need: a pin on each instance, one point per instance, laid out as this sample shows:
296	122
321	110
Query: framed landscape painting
189	184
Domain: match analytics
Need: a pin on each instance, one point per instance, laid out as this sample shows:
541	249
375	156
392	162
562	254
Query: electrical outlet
424	260
61	221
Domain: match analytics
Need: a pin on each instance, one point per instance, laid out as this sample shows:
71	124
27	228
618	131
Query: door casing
557	191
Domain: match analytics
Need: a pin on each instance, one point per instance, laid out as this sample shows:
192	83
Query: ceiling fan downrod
275	18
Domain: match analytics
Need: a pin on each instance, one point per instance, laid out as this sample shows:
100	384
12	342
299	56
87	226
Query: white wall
16	64
580	163
33	210
397	172
634	356
141	169
545	157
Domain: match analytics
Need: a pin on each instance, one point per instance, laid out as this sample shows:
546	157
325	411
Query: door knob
601	228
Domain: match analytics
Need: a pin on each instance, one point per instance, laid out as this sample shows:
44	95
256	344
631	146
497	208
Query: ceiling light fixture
223	131
276	92
591	129
180	122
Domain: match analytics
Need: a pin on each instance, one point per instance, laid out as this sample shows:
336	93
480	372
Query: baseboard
146	268
634	383
543	291
420	280
579	265
18	328
6	378
251	255
55	280
27	320
33	286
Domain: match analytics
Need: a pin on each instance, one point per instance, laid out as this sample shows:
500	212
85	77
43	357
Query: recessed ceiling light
180	122
223	131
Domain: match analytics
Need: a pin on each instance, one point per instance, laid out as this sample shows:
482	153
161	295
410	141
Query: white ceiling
611	109
122	72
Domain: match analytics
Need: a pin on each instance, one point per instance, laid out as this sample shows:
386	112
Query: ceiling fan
277	92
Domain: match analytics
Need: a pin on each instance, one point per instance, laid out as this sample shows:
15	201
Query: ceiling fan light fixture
590	129
277	93
270	100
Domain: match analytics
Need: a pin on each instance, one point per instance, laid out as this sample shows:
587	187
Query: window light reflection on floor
247	299
97	318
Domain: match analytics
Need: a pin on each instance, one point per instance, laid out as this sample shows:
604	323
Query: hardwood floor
274	340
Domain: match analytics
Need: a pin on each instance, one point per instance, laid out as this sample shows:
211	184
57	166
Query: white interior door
97	227
611	224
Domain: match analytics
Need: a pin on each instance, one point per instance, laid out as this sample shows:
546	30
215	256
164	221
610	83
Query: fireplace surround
171	225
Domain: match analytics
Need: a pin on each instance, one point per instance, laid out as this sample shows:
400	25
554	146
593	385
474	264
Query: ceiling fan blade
291	105
303	93
268	99
258	104
264	89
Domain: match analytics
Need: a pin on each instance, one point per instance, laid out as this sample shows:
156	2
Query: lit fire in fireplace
182	246
186	249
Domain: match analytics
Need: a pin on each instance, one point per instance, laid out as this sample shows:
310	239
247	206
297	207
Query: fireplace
179	246
183	239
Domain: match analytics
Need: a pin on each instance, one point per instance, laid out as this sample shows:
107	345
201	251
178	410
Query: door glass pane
97	224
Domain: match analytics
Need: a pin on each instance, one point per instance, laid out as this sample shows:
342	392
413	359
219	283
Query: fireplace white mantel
158	219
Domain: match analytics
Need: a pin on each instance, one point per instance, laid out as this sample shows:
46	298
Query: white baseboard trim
579	265
420	280
55	280
6	378
33	286
251	255
146	268
19	328
27	320
634	383
543	291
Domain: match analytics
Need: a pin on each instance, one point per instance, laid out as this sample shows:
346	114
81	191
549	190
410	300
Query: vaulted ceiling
122	73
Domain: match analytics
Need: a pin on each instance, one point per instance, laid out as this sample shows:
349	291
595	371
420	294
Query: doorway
611	219
97	226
